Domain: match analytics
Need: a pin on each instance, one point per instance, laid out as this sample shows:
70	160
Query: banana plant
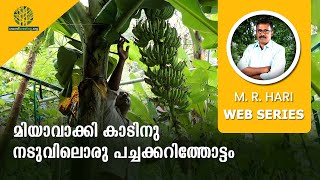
88	64
98	26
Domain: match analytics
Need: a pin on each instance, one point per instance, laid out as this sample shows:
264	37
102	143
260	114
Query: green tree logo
23	16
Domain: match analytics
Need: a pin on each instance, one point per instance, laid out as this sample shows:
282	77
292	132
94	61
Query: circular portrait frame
297	52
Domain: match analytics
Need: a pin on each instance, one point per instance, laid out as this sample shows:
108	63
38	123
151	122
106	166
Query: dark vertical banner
264	67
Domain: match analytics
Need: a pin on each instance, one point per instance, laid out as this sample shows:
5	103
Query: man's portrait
263	47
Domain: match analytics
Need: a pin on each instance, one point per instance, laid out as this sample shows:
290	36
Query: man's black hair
265	21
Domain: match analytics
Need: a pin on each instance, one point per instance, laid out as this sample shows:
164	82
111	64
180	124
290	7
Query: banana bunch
178	66
157	54
162	33
149	73
171	38
142	34
167	83
157	30
163	14
176	96
168	77
158	45
148	57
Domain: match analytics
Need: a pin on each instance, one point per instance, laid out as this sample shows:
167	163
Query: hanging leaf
65	63
48	37
107	14
135	118
201	64
183	55
125	27
193	17
68	59
112	36
76	44
64	25
134	53
210	41
139	109
138	88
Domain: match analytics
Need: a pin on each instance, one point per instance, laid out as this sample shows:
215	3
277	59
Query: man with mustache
264	59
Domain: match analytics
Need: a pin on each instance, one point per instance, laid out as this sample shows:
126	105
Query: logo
23	16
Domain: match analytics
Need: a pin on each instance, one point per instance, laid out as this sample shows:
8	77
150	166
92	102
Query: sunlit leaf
139	108
193	17
201	64
65	63
64	25
210	41
315	105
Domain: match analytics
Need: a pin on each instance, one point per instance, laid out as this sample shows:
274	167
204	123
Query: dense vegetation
268	156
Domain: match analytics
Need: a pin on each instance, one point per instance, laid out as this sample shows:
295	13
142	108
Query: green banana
166	78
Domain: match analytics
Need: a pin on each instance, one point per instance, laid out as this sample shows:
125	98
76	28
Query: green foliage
315	13
202	81
245	35
142	109
315	56
154	4
64	68
164	14
315	105
107	13
43	70
107	19
209	6
315	72
258	156
64	25
139	112
69	72
194	18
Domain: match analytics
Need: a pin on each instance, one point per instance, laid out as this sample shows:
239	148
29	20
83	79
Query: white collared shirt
272	55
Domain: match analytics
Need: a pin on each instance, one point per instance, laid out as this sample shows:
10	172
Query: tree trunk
11	123
198	52
93	88
92	101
